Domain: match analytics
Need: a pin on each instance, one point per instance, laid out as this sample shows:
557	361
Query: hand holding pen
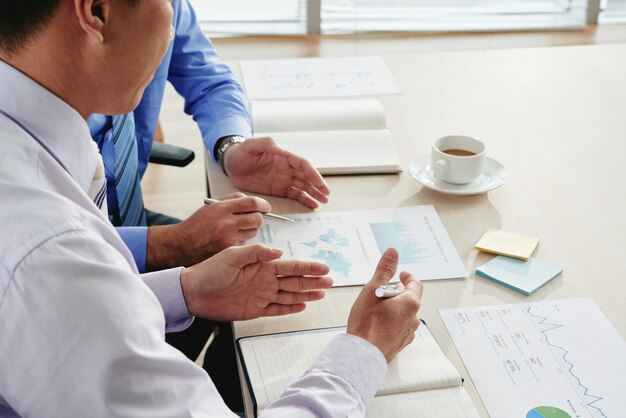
208	201
388	323
231	220
387	291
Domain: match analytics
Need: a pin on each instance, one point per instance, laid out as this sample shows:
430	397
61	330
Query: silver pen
208	201
387	291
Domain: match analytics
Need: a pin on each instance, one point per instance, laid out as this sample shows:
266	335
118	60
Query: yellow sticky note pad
501	242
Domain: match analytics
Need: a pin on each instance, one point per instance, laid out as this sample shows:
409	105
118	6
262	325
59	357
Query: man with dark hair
23	21
217	103
82	333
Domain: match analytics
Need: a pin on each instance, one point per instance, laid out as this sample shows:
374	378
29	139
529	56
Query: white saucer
493	177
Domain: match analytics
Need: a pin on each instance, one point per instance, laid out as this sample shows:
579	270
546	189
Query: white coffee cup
457	159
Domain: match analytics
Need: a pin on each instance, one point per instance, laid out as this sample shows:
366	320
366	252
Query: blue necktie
97	189
125	202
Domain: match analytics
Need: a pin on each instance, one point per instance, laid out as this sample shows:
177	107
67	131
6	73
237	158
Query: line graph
556	359
542	321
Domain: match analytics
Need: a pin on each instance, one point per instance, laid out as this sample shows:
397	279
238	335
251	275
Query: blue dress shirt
212	96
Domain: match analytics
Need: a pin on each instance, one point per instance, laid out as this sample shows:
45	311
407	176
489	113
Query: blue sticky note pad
524	276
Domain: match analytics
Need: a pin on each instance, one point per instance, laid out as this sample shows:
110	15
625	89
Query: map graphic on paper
351	243
549	359
327	252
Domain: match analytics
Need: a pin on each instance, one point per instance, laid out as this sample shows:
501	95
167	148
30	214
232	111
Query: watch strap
225	144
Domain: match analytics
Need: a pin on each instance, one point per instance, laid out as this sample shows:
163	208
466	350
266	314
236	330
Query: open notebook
337	136
420	380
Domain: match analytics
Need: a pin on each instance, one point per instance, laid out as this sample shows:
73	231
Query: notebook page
421	365
453	402
343	152
273	362
316	115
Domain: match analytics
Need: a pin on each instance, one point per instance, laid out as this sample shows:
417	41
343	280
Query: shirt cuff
228	127
165	285
136	239
365	370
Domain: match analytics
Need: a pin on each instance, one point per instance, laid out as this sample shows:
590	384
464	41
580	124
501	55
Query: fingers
299	284
235	195
247	204
293	298
300	268
412	284
306	186
302	197
303	188
276	309
299	180
251	221
386	268
250	254
311	175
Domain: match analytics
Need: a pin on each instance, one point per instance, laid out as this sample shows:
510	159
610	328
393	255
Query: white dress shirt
81	334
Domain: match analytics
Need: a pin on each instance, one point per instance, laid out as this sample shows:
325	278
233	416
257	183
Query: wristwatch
235	139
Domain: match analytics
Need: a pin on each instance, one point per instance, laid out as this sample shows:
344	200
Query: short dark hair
21	19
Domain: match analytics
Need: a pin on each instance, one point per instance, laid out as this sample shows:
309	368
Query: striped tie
97	189
124	197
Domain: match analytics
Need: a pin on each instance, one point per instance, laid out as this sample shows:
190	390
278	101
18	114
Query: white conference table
555	117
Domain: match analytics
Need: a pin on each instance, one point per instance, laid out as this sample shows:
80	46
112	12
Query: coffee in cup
459	152
457	159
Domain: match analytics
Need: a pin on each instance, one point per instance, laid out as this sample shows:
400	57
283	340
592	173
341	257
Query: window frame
313	23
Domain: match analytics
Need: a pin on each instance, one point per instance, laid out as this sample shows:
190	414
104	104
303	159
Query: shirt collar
56	125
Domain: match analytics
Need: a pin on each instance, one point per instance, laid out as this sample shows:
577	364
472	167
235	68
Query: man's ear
92	16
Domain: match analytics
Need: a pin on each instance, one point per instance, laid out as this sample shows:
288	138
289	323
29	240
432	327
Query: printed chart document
420	380
351	242
549	359
337	136
317	77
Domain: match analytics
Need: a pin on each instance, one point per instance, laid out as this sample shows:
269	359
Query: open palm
251	281
260	165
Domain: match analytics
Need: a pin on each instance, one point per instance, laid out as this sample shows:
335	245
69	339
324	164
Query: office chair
168	154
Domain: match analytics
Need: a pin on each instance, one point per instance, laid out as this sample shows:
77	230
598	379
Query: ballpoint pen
208	201
387	291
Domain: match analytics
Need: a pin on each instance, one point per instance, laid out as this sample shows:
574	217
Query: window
353	16
286	17
613	11
242	17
